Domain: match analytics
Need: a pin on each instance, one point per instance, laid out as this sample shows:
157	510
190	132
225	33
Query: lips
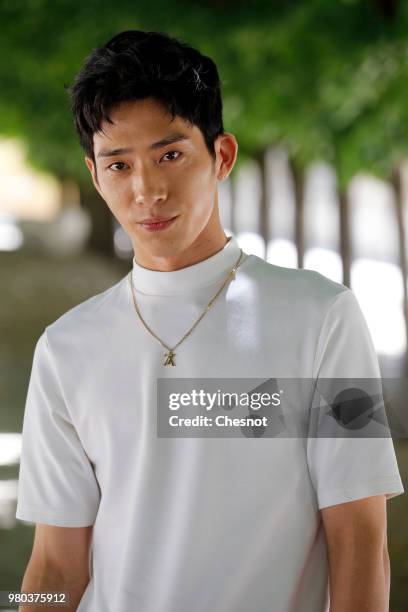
157	223
156	219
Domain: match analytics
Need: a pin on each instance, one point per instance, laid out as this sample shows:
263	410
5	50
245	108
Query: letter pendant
169	358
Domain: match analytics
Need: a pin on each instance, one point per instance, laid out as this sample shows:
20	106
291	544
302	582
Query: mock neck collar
185	280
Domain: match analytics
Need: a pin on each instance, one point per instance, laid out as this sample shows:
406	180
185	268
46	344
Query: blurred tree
327	80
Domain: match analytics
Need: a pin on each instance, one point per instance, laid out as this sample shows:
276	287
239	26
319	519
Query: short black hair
134	65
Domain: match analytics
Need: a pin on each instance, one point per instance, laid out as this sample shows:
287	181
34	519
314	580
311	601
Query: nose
147	185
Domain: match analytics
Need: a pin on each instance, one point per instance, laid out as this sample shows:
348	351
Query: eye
171	153
121	164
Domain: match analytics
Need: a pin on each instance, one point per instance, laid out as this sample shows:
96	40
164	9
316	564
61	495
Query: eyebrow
170	139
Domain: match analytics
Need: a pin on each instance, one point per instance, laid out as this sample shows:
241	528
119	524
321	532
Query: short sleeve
345	467
57	483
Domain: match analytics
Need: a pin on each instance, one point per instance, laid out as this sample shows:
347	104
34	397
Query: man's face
141	178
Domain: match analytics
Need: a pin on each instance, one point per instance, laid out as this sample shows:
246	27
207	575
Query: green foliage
327	79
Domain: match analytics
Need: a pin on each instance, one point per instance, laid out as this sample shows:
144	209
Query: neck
189	278
195	253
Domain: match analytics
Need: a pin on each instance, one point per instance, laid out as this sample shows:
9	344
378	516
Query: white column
281	249
247	209
376	276
322	222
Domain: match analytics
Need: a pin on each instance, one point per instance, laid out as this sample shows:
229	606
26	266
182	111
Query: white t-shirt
196	524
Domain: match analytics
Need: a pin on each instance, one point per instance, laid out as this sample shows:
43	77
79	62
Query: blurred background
316	93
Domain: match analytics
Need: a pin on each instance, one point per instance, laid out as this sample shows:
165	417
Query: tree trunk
264	212
388	8
101	238
70	195
299	227
345	237
233	185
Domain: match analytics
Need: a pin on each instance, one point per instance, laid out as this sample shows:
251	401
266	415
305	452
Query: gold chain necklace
169	356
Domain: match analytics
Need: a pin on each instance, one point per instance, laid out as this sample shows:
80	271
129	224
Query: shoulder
292	285
90	317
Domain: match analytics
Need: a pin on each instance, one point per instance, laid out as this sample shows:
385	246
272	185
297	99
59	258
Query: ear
226	147
92	169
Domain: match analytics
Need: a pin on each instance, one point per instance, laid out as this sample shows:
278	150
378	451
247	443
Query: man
127	520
